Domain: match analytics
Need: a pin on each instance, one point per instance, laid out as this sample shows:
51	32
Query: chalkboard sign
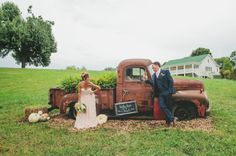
125	108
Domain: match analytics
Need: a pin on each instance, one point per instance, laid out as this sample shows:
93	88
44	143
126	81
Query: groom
162	84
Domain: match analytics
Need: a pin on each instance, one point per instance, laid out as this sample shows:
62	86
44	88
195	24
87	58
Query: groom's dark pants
164	103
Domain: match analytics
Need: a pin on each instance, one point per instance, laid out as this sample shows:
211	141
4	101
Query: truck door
135	89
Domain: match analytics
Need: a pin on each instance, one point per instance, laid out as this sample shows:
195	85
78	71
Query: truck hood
184	84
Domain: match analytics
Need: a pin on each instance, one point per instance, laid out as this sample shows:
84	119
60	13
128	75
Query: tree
109	69
233	58
200	51
30	40
220	61
227	74
233	76
83	68
226	67
10	11
10	22
71	68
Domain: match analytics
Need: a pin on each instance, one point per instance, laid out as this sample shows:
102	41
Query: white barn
195	66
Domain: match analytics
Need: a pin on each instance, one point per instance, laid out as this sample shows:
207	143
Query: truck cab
131	84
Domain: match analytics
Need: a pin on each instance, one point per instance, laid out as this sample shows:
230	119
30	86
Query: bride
86	90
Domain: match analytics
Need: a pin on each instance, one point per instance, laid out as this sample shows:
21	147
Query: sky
101	33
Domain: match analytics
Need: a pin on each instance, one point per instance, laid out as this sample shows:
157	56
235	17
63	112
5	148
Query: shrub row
70	84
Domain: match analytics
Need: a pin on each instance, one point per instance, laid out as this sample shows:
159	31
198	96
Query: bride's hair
84	76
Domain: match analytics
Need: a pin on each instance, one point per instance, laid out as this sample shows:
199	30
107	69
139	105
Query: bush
107	81
227	74
234	74
71	68
110	69
70	84
217	77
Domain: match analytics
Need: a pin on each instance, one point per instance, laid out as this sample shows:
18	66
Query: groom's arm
149	82
170	83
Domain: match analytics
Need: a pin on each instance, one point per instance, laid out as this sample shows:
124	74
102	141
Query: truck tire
72	111
192	112
185	111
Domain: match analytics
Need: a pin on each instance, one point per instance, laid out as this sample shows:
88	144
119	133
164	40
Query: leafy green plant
70	84
107	81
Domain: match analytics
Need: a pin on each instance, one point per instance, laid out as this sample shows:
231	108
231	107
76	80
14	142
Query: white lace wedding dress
87	119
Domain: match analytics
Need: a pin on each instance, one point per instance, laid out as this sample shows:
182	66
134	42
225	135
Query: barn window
196	66
189	66
180	67
208	68
173	68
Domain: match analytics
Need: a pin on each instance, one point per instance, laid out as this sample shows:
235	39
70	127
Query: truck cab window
135	74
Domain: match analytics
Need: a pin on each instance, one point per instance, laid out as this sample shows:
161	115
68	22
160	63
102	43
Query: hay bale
30	110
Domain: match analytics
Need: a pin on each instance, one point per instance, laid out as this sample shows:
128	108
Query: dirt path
200	124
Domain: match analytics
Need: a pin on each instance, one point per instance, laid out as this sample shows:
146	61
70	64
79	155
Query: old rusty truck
132	97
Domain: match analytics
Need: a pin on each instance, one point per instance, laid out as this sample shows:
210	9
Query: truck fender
184	109
66	101
199	100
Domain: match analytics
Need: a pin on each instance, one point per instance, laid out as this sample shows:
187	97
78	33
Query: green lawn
20	88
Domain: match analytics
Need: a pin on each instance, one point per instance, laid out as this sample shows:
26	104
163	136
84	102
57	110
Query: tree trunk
23	63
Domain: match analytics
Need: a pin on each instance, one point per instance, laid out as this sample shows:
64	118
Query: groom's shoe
175	121
168	124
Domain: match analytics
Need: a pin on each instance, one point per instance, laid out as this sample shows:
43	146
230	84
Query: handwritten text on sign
126	108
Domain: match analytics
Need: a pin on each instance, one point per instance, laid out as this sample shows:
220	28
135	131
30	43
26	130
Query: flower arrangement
80	107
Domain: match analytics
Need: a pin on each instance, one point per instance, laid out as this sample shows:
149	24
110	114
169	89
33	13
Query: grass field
20	88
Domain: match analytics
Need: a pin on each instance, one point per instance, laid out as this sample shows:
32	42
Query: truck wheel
72	112
184	112
192	112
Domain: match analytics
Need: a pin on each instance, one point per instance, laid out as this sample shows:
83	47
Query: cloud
100	33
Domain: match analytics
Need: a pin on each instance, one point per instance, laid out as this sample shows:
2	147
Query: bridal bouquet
80	107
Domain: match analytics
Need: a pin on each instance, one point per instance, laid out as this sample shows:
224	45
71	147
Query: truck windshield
150	69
